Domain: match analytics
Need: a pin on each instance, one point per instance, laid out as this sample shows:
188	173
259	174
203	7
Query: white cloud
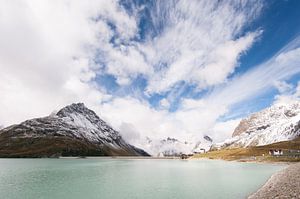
202	114
288	97
129	133
196	118
283	87
223	130
200	42
146	121
164	103
125	63
203	67
195	38
297	91
259	79
46	54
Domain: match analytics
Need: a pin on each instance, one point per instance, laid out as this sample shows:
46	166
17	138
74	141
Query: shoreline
159	158
287	163
283	184
193	158
122	157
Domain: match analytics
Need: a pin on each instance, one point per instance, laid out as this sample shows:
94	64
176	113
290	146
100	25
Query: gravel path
284	184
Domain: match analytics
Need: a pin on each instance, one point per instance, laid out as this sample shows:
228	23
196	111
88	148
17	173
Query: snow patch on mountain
280	122
76	122
86	120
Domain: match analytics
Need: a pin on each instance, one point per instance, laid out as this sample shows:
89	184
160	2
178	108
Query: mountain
175	147
204	145
73	131
280	122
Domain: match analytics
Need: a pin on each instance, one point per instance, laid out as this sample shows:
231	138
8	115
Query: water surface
130	178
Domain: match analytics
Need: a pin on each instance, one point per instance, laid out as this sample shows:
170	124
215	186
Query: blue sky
279	22
178	68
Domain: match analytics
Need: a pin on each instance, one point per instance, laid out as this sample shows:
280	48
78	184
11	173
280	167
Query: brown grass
259	153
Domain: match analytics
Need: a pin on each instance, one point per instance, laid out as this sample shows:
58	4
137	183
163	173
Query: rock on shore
284	184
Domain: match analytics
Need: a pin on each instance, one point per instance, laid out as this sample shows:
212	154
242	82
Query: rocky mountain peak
267	117
279	122
207	138
79	115
75	108
75	128
169	139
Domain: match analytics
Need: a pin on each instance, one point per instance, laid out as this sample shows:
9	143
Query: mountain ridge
174	147
280	122
73	131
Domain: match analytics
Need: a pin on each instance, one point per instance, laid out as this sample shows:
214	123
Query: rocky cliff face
280	122
73	131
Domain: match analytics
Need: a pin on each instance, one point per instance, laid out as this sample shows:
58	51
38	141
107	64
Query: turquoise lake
109	178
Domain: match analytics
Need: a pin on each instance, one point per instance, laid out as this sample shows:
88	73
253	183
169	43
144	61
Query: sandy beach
284	184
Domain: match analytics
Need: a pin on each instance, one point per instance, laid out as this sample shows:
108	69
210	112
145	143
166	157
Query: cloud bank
51	53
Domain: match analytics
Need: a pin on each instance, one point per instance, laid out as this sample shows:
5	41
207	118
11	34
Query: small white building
276	152
160	155
198	151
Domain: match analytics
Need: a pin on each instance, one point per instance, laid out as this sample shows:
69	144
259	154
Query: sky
182	68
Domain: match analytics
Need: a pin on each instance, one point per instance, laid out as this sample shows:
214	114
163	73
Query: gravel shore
284	184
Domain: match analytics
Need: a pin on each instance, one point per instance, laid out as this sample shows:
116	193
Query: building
199	151
160	155
184	156
275	152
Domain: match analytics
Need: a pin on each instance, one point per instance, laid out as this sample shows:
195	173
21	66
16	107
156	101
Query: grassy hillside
259	153
54	147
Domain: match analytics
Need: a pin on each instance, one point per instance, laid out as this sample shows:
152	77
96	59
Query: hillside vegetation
258	153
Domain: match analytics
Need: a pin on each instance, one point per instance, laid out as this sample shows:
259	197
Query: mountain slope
73	131
280	122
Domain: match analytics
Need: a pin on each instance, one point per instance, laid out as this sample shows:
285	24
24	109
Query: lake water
130	178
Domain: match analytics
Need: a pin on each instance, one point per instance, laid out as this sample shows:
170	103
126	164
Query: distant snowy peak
174	147
207	138
169	141
165	147
204	145
280	122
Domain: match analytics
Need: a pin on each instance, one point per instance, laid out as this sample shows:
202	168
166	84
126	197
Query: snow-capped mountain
204	145
280	122
175	147
74	130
